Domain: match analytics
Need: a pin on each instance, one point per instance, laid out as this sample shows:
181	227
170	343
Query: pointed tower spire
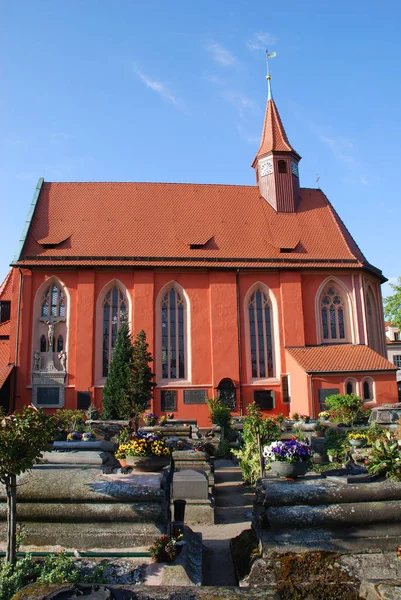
276	161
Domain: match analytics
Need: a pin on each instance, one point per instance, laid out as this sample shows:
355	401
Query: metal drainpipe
12	408
311	395
241	407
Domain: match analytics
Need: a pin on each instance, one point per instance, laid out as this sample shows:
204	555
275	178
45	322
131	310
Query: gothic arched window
173	357
114	307
260	335
60	343
368	389
350	386
53	302
333	317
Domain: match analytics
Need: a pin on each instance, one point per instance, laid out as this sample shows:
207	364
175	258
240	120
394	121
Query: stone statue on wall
36	360
50	334
63	359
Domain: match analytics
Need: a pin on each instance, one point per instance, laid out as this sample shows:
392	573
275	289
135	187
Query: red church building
253	293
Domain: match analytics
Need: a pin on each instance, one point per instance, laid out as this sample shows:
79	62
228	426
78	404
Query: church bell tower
276	162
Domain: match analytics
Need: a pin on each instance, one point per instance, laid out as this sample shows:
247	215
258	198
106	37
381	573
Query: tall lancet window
114	307
333	317
260	333
173	335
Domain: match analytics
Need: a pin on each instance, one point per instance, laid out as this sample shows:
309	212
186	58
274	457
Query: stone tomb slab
190	484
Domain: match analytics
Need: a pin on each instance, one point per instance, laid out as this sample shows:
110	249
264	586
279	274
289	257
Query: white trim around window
274	323
176	381
348	314
372	389
354	383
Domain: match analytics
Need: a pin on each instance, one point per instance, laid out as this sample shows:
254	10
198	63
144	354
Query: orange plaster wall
299	388
292	308
385	386
224	327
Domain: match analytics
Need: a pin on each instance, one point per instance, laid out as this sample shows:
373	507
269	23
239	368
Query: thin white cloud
216	80
261	41
242	103
158	87
340	147
250	138
221	55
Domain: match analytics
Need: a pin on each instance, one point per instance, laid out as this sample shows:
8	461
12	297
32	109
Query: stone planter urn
151	463
358	443
289	470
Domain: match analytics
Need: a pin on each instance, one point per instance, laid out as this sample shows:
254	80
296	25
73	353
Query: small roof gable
339	357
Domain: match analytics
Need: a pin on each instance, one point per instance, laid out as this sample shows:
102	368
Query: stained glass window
114	307
260	333
173	335
332	309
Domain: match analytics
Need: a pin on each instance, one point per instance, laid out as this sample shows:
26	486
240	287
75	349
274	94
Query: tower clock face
294	169
266	168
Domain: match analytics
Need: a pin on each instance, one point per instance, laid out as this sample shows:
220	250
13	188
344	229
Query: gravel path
233	510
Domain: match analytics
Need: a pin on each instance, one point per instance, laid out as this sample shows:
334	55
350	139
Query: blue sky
126	90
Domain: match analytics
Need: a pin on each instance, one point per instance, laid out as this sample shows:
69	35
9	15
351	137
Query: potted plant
146	452
74	436
163	421
319	429
304	418
291	458
358	440
324	415
150	419
295	417
170	416
88	436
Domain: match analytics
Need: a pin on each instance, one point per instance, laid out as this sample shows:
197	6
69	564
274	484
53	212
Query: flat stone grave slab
189	484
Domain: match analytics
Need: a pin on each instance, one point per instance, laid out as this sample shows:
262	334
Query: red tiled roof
5	328
5	368
6	287
339	357
274	136
154	224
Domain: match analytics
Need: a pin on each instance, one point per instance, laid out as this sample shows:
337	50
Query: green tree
346	408
392	305
255	425
142	378
23	437
117	389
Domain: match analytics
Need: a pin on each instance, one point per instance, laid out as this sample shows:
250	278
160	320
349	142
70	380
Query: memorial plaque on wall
323	395
168	400
265	399
48	395
83	400
195	396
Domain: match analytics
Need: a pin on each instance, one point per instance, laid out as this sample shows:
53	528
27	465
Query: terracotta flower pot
122	461
148	463
290	470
